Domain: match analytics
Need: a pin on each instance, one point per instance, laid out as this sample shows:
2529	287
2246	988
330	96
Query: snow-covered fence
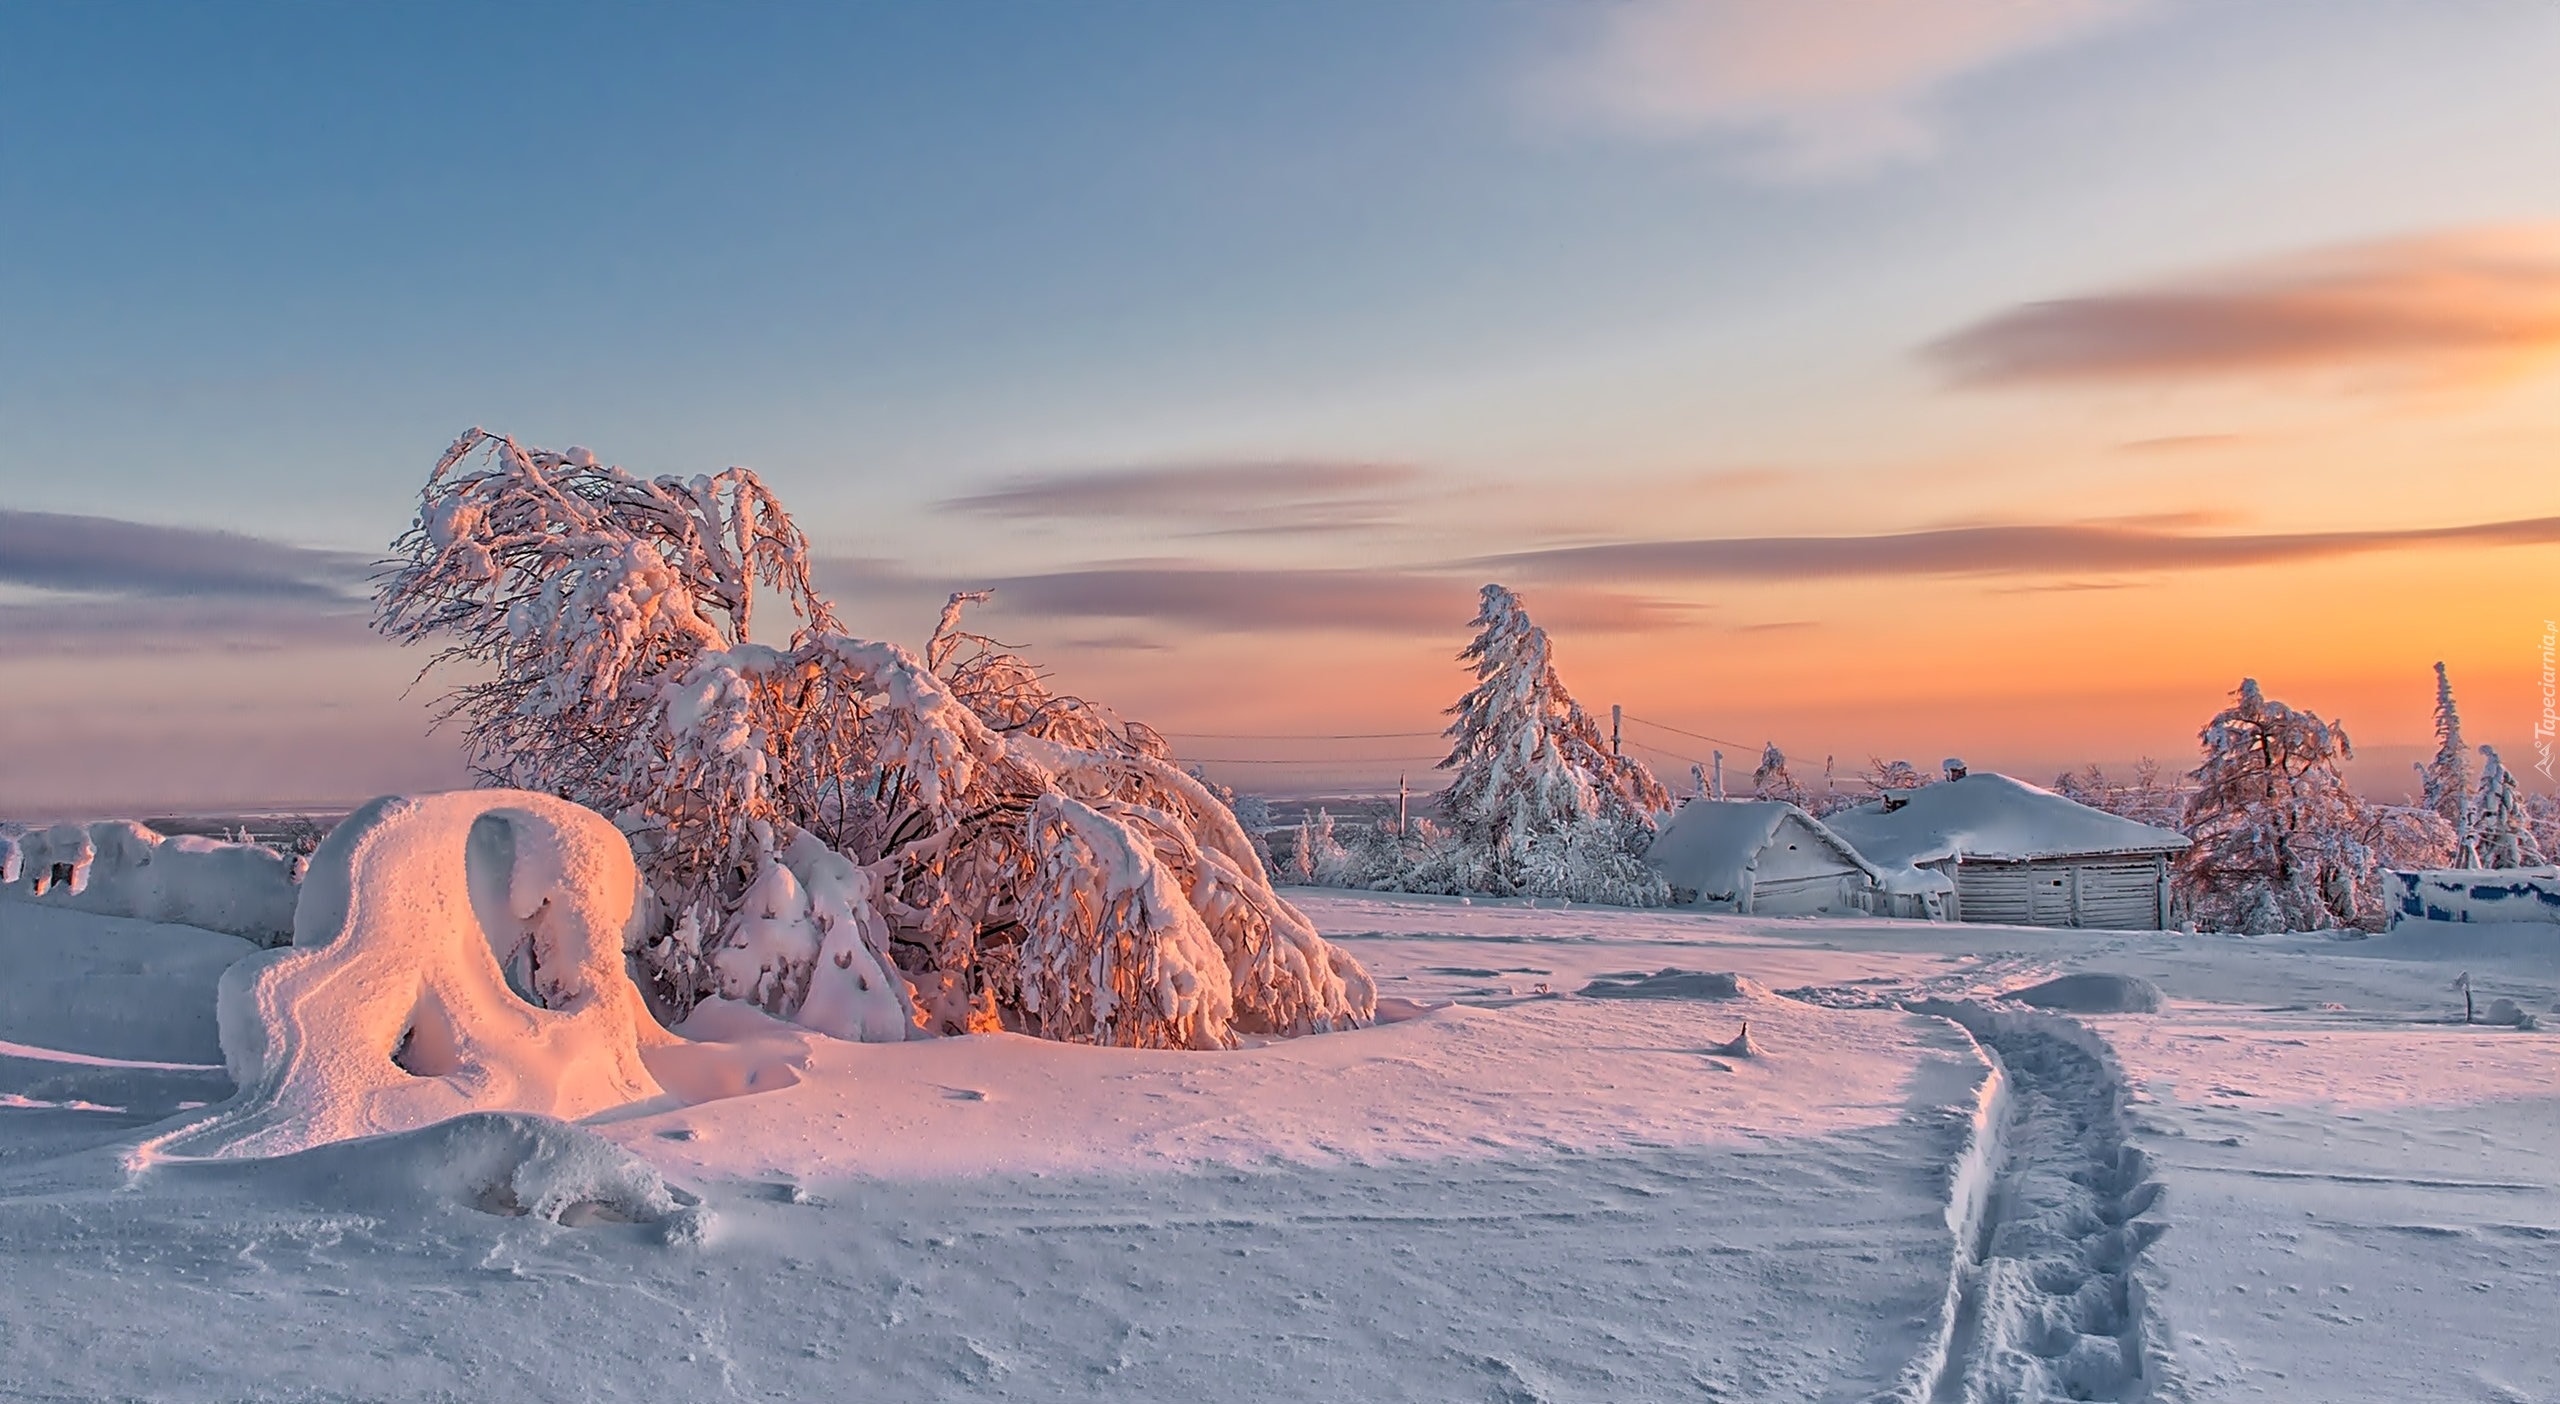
2507	895
115	867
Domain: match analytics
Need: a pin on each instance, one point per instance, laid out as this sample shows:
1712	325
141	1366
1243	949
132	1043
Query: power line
1665	751
1696	735
1307	760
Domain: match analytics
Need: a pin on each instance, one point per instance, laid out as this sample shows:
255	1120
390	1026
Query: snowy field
1549	1174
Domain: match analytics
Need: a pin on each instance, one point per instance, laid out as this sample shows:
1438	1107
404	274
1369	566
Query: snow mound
452	953
1671	982
115	867
509	1164
2092	992
2507	1013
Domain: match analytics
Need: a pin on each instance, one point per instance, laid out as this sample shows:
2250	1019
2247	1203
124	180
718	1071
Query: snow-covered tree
1883	777
2279	841
1772	782
2144	798
826	810
2501	826
1537	796
2408	837
2445	782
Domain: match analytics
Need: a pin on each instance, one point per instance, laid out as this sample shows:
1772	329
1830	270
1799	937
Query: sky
2002	379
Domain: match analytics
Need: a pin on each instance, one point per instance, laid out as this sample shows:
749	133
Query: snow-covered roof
1710	845
1992	818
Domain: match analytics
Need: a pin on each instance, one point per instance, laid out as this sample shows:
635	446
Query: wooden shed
1762	857
2020	855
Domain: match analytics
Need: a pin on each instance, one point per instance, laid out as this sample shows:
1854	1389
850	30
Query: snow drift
2092	992
507	1164
1671	983
451	954
116	867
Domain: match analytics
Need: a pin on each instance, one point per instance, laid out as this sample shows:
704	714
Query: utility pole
1400	796
1617	718
1719	775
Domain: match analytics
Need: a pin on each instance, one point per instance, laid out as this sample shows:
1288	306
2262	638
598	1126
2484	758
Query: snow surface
2303	1177
1990	817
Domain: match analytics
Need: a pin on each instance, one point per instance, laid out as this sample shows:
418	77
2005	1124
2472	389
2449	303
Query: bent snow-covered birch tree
872	843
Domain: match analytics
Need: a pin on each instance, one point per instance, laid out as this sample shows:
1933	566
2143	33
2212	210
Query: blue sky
1559	274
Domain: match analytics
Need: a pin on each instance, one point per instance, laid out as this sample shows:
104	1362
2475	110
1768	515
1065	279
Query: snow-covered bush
2280	842
2501	827
1539	804
828	823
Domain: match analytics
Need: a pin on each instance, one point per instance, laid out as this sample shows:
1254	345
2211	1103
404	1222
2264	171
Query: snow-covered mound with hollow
116	867
451	953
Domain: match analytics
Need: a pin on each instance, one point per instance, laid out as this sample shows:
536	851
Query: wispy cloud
93	625
1236	599
1263	497
2181	443
1801	91
2457	305
2074	550
103	555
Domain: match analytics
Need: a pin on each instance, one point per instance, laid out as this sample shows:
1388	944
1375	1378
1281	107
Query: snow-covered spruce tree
849	835
1772	782
2280	843
1539	805
2501	826
2445	782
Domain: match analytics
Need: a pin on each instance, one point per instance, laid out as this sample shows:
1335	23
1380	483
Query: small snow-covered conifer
1537	795
2501	826
2445	781
2279	841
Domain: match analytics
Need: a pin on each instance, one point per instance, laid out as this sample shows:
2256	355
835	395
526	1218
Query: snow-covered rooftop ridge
1710	844
1992	818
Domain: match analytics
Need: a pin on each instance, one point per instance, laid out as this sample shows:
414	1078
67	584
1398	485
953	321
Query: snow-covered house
2018	854
1761	856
